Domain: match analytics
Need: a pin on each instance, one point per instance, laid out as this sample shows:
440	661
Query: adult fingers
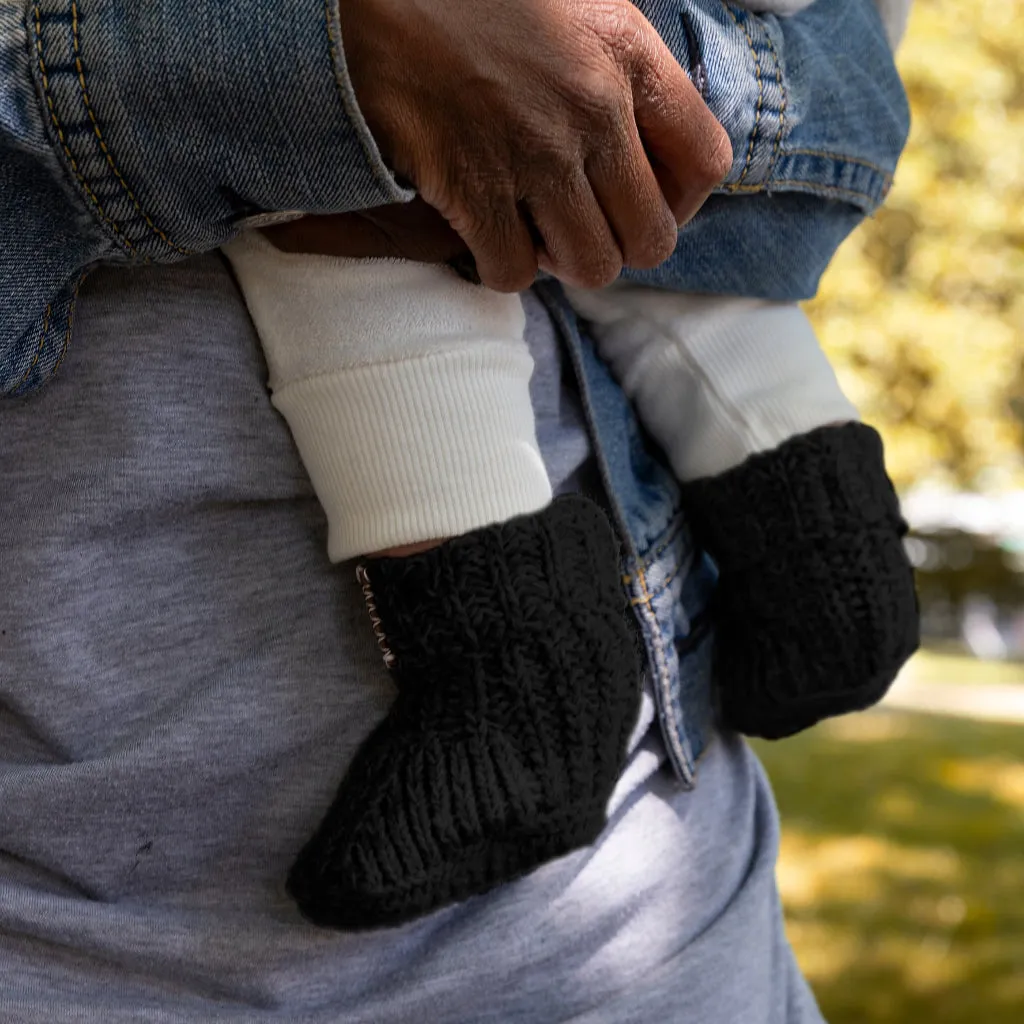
413	231
501	242
416	231
579	246
691	151
633	201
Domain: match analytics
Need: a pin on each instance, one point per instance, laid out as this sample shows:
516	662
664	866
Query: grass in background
934	666
902	867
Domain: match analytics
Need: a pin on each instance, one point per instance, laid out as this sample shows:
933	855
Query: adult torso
183	680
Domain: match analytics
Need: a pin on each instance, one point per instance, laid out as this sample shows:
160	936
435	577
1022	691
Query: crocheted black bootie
816	609
519	685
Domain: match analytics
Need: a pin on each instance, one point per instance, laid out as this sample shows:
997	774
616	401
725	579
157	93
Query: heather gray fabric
183	680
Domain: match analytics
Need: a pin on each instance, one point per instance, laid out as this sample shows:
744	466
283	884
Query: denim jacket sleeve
818	119
145	131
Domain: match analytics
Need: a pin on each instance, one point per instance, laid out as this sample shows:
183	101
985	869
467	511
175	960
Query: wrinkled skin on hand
553	134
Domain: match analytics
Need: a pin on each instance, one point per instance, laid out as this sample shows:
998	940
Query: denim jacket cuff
176	121
812	103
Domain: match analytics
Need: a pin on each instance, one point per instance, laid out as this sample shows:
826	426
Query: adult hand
408	231
525	124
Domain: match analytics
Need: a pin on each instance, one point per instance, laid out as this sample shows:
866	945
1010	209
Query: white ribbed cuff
715	379
763	380
420	449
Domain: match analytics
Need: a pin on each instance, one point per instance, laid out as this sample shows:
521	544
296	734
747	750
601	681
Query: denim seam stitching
39	350
784	103
835	190
103	143
649	559
662	678
860	161
760	98
104	217
658	591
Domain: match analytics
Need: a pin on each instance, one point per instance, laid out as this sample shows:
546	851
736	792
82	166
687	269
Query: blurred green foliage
922	310
901	867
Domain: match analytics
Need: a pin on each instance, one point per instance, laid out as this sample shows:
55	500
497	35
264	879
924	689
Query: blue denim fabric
804	180
826	119
823	137
669	579
146	131
818	118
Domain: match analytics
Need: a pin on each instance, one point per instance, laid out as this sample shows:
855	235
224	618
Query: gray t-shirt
184	678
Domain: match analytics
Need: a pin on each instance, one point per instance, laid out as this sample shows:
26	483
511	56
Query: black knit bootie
816	609
519	685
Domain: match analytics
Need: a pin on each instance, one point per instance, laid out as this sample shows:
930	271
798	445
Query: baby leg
406	389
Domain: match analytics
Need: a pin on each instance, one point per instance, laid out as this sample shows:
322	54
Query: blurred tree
922	310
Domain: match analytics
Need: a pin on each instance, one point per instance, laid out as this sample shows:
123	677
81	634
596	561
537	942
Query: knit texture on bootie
519	685
816	609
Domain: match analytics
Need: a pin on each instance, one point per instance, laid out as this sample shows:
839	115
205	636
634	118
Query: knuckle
598	270
584	256
609	106
619	28
503	263
551	168
653	247
666	244
546	155
598	96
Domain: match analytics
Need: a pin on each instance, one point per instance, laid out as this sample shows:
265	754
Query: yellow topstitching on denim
649	596
832	190
646	562
103	143
661	672
842	157
760	99
777	144
63	141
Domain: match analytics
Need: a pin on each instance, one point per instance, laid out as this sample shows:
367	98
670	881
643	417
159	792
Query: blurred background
902	866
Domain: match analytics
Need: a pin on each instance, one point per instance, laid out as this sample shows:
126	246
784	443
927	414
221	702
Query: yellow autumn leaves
922	310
